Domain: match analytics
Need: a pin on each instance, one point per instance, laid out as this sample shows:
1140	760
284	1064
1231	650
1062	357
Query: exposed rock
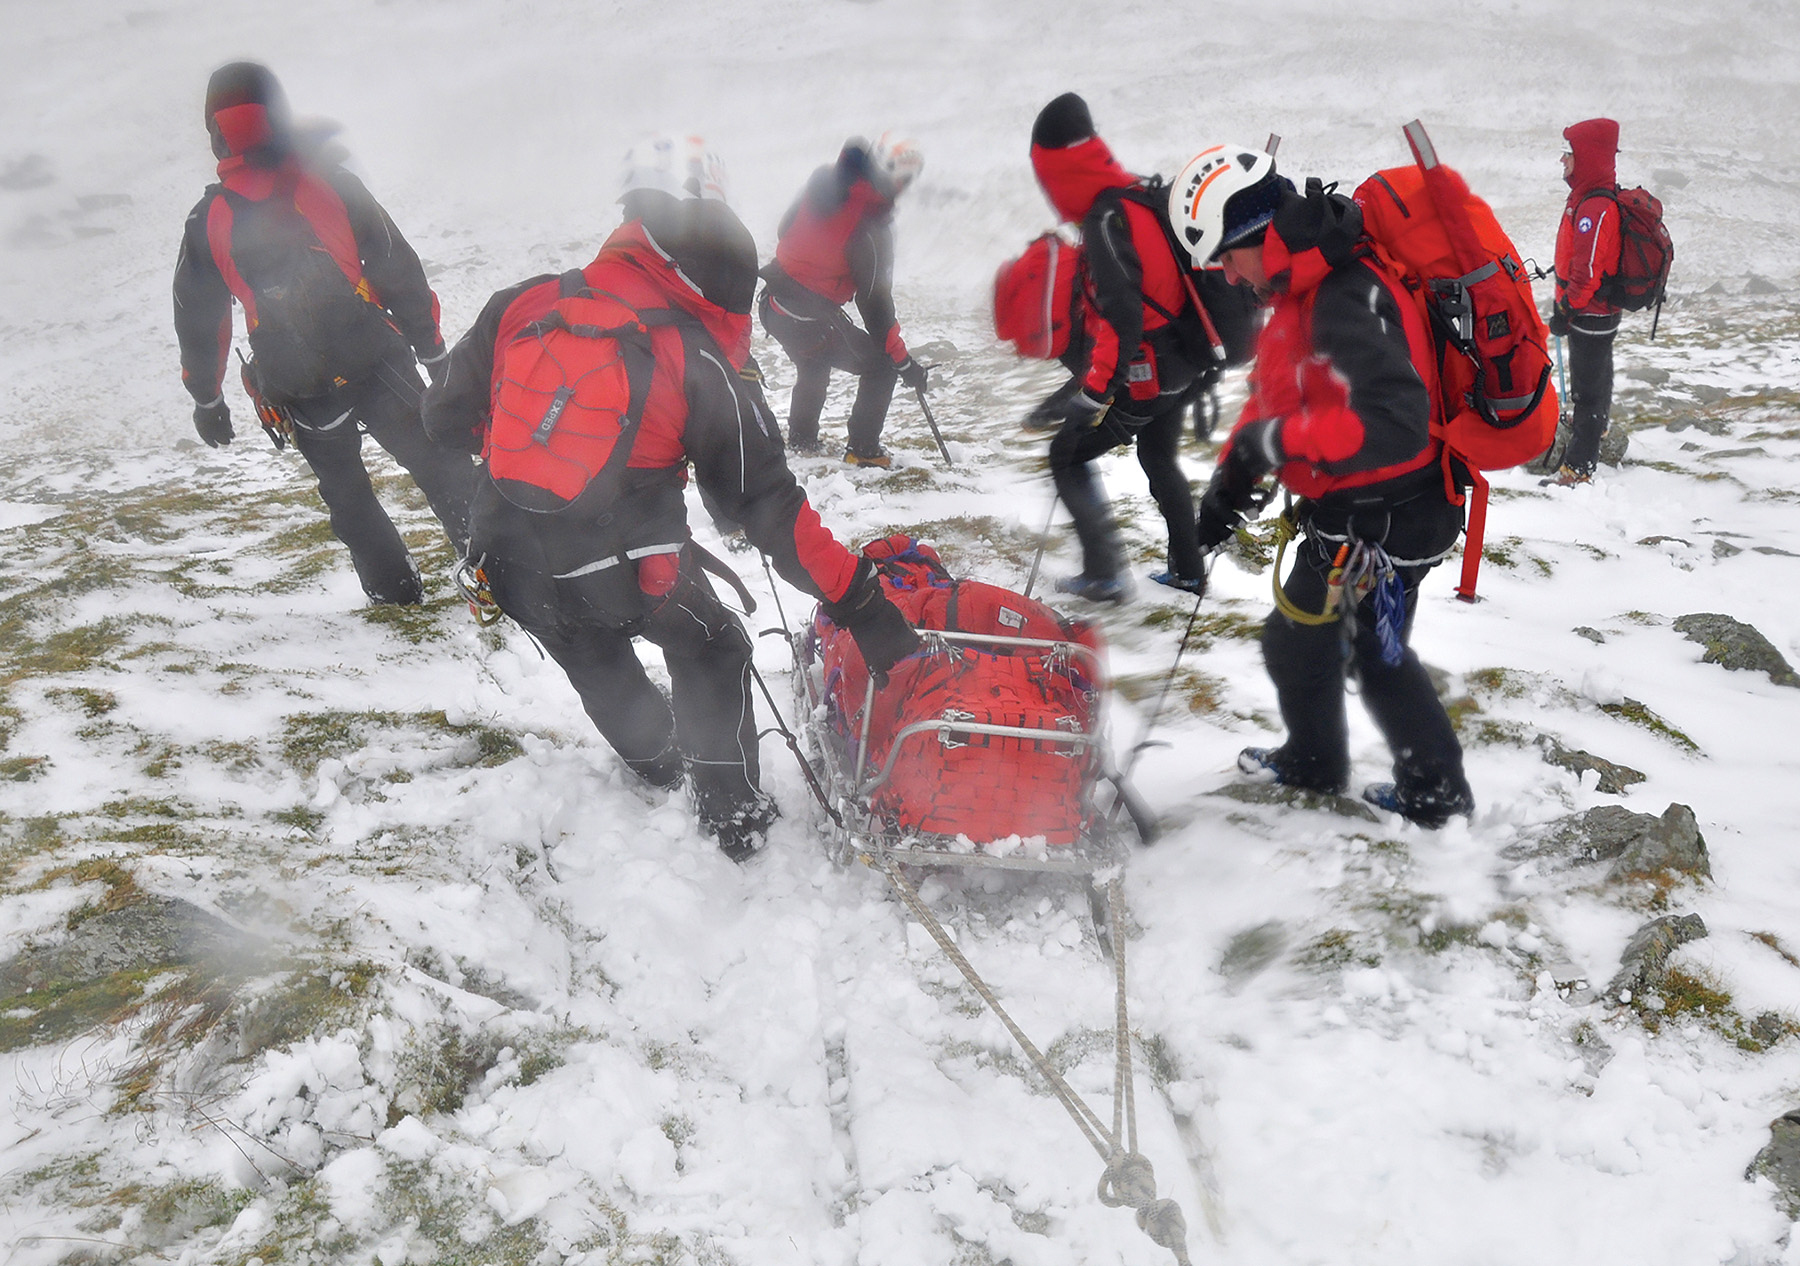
1668	178
1779	1162
1761	286
1725	549
1768	1029
1735	645
1647	953
1593	635
1251	950
1613	778
1297	798
1613	445
1654	375
1638	845
1754	450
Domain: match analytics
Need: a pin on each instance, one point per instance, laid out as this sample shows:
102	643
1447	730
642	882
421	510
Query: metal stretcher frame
1101	844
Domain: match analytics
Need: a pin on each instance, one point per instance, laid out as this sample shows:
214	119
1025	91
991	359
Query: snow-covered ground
400	968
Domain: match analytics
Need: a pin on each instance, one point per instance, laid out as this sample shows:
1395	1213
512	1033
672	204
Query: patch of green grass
23	768
75	650
93	703
1335	949
58	1011
1630	710
311	737
306	818
310	1000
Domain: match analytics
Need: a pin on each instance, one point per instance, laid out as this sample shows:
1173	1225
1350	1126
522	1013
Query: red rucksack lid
1033	297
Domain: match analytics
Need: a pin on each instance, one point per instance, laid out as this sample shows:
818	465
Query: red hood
630	246
1072	177
1595	144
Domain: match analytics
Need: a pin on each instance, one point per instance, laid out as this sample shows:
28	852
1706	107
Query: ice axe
932	422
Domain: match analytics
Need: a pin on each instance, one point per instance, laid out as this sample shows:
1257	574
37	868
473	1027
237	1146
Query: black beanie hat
244	83
1062	123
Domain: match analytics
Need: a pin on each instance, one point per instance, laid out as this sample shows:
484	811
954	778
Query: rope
1128	1179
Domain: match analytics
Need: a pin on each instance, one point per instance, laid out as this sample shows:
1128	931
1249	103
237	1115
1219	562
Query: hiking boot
1270	764
881	459
806	446
1568	477
1195	585
1108	589
740	833
1430	809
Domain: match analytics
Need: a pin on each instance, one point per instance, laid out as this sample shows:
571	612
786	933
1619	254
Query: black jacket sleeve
202	310
457	406
391	265
870	252
736	450
1358	327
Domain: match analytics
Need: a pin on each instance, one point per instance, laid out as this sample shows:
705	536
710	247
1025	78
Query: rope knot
1128	1180
1165	1225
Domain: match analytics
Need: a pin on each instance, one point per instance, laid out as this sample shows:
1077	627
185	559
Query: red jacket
1132	278
1587	240
837	241
253	209
1345	360
698	409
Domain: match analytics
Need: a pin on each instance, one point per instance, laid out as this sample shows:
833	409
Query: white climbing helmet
894	163
681	166
1224	194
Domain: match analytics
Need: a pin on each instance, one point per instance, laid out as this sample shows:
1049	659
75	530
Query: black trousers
707	722
1590	387
819	340
1307	663
1158	439
328	432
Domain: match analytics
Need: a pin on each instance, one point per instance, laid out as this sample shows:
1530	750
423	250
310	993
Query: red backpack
1034	298
569	393
1645	253
1494	366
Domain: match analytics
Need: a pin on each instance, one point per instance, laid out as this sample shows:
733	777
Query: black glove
1255	450
1559	320
913	374
1217	521
1082	412
881	632
437	364
213	422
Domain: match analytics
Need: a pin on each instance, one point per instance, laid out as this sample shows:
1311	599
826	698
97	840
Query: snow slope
481	1002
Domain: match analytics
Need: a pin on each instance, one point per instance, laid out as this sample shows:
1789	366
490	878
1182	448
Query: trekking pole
1043	540
781	727
932	423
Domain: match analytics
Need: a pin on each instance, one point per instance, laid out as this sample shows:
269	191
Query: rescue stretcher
989	748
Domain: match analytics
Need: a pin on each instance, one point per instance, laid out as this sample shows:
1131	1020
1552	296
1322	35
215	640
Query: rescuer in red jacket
336	308
1342	398
1587	252
1135	380
618	562
837	244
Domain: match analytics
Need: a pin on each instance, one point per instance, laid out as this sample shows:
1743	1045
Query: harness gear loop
1286	529
472	582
